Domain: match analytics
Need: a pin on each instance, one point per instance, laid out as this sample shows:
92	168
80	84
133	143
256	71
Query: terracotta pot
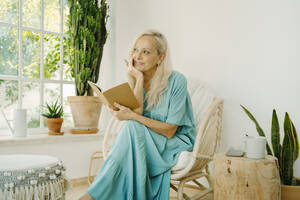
298	181
290	192
86	113
54	125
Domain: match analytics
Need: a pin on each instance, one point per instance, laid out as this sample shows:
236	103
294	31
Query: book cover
121	94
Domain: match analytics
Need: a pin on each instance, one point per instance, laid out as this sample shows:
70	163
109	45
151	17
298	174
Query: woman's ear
161	58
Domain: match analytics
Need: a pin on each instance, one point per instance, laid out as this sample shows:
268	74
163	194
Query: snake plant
87	36
287	152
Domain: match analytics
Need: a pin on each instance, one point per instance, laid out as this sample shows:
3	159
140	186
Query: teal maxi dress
139	164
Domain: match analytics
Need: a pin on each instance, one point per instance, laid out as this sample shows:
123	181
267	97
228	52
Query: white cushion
183	160
201	97
25	161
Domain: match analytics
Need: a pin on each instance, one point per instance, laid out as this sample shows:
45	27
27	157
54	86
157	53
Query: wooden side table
242	178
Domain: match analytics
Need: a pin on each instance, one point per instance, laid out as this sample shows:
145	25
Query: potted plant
87	36
53	113
286	153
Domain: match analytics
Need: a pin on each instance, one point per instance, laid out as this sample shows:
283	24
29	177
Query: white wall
247	51
107	68
75	154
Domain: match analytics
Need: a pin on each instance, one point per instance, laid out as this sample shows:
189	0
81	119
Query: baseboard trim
79	181
84	181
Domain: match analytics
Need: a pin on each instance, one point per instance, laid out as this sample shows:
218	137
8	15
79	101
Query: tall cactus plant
87	36
287	152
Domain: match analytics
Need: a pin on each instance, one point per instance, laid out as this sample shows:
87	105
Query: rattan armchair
208	120
207	142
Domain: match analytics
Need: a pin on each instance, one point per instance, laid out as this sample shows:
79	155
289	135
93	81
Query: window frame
41	80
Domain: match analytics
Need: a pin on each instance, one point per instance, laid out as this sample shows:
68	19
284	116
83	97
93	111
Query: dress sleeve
178	102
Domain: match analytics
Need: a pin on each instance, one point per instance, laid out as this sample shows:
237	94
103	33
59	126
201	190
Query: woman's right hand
132	71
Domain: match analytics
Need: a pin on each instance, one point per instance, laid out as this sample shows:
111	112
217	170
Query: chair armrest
111	132
201	156
97	155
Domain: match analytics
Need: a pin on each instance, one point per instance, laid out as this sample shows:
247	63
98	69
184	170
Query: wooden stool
245	178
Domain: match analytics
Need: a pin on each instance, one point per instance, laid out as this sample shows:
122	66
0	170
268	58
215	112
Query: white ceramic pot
255	146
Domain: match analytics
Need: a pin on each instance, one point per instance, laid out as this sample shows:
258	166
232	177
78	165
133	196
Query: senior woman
150	141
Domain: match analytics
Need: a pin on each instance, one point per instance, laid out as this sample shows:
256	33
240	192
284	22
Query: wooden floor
75	192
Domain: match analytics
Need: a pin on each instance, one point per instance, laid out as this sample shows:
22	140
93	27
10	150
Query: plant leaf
275	136
287	154
54	110
295	134
288	128
258	128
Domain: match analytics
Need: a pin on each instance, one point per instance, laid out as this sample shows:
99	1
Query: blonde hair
159	82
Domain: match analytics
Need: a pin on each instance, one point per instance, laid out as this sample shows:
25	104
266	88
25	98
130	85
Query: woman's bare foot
86	196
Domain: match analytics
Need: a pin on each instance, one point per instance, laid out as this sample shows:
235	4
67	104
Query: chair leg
89	173
209	178
173	187
180	194
203	190
93	157
199	184
202	194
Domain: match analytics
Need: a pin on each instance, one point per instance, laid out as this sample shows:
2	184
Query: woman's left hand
132	71
123	114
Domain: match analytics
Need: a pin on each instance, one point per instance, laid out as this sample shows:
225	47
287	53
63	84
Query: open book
121	94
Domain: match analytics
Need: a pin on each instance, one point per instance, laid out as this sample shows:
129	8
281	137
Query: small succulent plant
54	110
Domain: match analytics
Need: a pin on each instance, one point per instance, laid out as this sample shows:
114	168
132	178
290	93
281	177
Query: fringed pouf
32	177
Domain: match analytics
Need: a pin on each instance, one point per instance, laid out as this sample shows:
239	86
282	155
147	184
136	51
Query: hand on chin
139	68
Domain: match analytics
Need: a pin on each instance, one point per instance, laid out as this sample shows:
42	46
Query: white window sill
46	139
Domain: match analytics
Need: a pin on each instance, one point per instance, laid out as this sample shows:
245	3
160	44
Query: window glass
8	101
51	92
9	61
31	54
31	101
31	13
66	64
52	15
51	57
68	90
66	13
43	48
9	11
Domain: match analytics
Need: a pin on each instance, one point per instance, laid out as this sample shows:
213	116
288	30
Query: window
34	64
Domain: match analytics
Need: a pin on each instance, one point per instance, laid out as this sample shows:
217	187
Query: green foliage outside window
51	61
31	45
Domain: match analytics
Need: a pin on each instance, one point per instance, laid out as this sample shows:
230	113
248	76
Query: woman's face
145	55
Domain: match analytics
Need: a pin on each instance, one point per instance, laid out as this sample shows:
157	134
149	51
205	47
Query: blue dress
139	164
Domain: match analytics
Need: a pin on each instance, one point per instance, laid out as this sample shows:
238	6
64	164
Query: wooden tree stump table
242	178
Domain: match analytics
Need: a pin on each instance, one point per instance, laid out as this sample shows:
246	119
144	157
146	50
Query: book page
97	90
